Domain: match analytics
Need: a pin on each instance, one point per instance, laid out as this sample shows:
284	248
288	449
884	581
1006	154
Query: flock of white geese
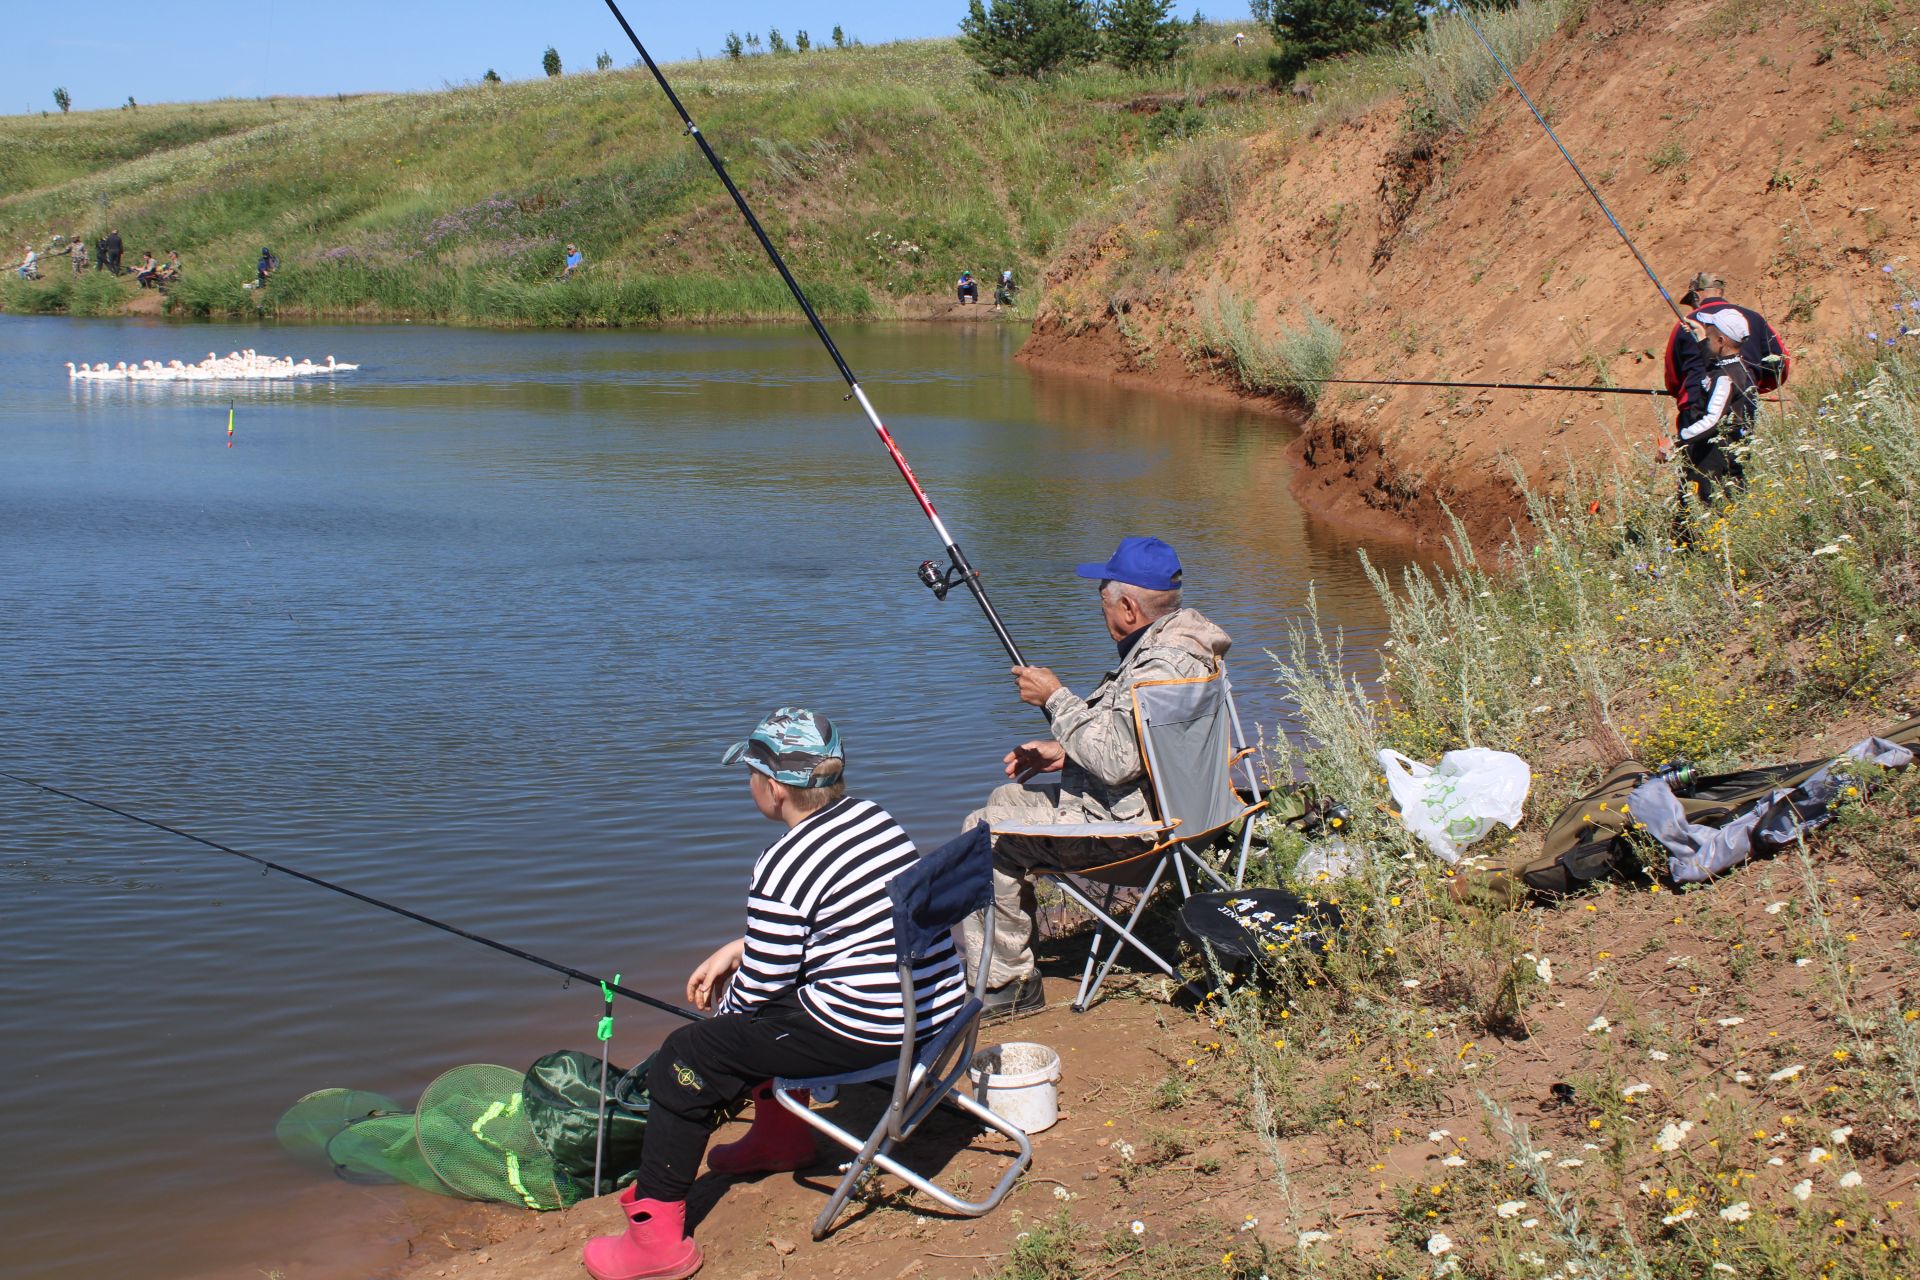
234	365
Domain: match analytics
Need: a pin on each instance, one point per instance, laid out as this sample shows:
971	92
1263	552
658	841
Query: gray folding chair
1192	742
929	900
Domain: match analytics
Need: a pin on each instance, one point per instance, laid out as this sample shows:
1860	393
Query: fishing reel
940	582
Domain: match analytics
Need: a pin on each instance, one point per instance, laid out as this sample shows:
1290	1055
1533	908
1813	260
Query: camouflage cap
1702	284
788	746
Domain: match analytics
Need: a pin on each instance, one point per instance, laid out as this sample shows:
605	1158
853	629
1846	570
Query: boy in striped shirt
814	991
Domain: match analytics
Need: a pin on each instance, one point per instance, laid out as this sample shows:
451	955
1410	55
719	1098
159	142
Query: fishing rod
1466	13
959	571
1486	386
567	970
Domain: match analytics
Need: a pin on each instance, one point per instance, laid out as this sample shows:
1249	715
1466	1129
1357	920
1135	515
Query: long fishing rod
1486	386
1466	13
959	572
569	971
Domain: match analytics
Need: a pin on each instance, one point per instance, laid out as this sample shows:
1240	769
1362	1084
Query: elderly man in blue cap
1094	750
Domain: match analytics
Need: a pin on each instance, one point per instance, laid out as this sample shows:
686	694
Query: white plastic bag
1454	803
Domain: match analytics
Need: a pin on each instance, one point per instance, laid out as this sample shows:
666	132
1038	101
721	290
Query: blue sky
164	51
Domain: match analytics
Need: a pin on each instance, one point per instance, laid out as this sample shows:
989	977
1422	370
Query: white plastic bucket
1022	1082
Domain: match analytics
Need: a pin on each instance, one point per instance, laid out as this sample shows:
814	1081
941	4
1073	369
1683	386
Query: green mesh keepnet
473	1133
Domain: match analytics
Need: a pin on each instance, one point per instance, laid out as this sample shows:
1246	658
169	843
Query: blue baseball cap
1139	562
788	746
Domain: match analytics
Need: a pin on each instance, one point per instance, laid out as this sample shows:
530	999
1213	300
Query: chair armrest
1088	830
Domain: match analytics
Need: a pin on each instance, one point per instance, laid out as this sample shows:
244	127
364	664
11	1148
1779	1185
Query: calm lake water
469	629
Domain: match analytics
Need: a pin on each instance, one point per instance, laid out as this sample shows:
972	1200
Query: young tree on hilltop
1140	33
732	46
492	77
753	41
61	100
839	37
550	61
802	41
1309	30
1030	37
776	43
602	62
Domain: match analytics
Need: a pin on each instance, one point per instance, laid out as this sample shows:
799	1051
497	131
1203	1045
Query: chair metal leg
876	1152
1089	990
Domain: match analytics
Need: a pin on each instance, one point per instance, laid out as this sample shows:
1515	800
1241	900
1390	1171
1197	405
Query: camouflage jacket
1104	775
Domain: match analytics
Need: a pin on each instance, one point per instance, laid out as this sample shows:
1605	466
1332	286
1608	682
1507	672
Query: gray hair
1154	604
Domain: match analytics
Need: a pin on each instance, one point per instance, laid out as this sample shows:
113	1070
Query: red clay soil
1775	143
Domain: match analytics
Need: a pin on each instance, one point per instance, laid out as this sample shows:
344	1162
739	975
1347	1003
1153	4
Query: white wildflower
1777	1161
1126	1151
1308	1239
1802	963
1673	1135
1061	1193
1743	1077
1410	983
1454	1162
1673	1219
1598	1025
1571	1162
1509	1208
1787	1073
1544	968
1819	1155
1531	1258
1841	1134
1730	1022
1775	908
1529	1223
1439	1244
1250	1223
1850	1179
1658	1055
1723	1269
1138	1227
1803	1190
1438	1135
1737	1212
1633	1089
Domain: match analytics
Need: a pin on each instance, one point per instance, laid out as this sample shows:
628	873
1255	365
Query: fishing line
959	572
1486	386
1500	62
570	972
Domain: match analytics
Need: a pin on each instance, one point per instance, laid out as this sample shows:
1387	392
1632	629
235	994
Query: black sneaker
1022	995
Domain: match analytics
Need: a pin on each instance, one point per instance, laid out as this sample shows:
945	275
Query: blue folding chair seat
930	899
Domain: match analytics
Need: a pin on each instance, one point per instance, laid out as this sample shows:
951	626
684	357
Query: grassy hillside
880	171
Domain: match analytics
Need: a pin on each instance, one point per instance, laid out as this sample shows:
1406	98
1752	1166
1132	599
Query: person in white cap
1732	400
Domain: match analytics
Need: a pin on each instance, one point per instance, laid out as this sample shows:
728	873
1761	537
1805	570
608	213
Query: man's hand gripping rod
959	571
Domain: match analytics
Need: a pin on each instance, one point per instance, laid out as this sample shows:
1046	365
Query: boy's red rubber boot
655	1245
778	1142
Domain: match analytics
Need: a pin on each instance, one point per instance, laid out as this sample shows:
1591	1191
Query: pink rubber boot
778	1142
655	1246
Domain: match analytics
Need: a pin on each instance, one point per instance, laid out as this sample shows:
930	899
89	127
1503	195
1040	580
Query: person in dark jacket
110	250
1688	361
1710	445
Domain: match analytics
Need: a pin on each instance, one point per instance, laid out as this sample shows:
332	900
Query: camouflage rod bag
1585	841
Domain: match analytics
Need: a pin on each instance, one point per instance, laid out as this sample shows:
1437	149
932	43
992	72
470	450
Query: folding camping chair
1192	742
929	900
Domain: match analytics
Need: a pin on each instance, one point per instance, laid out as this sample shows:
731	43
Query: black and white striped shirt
819	918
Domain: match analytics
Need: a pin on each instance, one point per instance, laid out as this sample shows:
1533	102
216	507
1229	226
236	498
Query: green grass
880	172
1292	362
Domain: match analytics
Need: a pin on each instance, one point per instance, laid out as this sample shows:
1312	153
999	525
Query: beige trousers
1009	953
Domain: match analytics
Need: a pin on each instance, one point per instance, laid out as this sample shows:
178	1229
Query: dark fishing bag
562	1101
1585	841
